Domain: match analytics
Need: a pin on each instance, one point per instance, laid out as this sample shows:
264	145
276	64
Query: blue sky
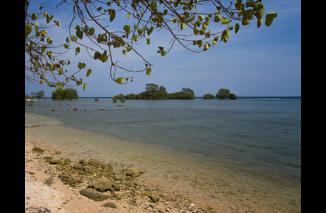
255	62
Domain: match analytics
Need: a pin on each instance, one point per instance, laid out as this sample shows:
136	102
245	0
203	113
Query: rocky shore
57	184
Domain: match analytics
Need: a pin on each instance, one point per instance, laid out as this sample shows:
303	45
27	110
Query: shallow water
258	137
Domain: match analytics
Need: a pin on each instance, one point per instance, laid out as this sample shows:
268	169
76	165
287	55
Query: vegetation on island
107	29
225	94
65	94
35	95
208	96
119	97
157	92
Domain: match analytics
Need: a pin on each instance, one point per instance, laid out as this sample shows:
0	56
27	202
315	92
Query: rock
49	180
93	194
66	161
132	172
57	152
37	210
154	198
38	150
92	167
52	110
104	186
70	180
110	205
50	160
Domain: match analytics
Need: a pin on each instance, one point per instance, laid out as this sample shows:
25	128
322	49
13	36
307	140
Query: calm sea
258	135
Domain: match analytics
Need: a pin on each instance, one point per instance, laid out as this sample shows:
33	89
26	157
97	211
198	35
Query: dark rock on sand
154	198
50	160
104	186
38	150
132	172
93	194
110	205
70	180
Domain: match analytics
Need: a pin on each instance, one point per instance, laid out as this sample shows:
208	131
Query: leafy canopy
196	25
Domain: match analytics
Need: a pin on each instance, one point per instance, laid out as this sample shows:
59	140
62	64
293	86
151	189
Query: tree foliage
65	94
38	94
119	97
100	28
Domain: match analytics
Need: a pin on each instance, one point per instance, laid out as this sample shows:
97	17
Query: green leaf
206	46
91	31
60	71
120	80
79	82
28	29
111	14
214	42
150	30
49	40
66	46
236	27
104	57
148	41
225	20
34	16
161	51
77	50
49	54
148	71
97	55
81	65
88	72
84	86
269	18
153	5
79	34
217	18
126	28
57	23
73	38
225	36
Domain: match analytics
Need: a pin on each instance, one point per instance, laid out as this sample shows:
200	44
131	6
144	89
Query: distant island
158	92
65	94
225	94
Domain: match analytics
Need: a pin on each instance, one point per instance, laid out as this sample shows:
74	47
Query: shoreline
171	179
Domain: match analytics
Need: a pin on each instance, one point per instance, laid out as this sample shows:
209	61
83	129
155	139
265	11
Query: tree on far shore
225	94
65	94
